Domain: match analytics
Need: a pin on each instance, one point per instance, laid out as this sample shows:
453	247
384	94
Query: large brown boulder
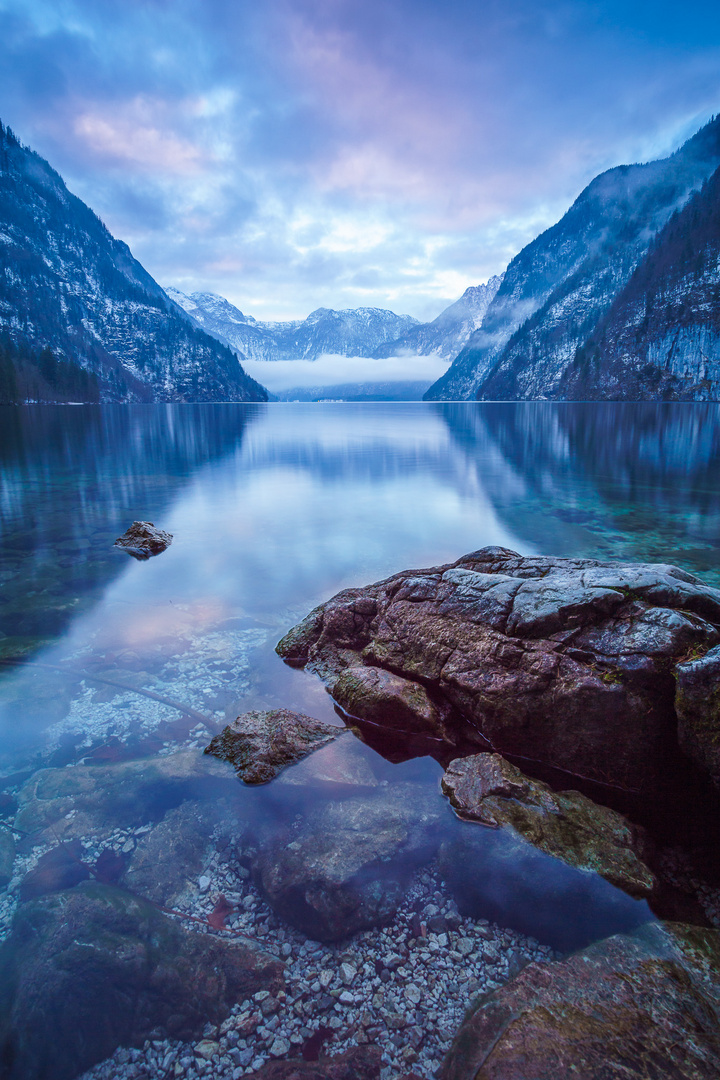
567	825
567	662
644	1005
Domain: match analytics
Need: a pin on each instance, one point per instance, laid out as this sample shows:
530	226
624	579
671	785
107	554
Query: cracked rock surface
259	745
568	662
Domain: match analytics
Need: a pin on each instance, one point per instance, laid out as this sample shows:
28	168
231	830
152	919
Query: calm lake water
274	509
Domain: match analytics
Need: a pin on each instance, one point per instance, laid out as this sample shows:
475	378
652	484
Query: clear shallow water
274	509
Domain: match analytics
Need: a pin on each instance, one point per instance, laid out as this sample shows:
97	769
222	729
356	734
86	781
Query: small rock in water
142	540
261	744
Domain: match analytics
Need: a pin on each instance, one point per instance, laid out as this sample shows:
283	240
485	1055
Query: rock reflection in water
497	876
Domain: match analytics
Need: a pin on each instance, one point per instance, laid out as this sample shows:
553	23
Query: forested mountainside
37	375
661	337
354	332
559	287
447	334
75	296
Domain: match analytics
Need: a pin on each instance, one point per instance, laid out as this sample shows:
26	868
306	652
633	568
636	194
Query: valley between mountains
620	300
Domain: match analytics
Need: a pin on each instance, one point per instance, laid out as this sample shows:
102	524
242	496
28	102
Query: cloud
134	137
332	370
312	153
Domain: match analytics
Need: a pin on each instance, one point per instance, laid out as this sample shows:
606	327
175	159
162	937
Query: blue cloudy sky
292	154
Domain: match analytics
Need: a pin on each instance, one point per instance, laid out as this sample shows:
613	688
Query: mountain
78	311
559	287
371	332
661	336
353	332
447	334
217	316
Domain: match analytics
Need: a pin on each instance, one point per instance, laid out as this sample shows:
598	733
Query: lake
273	509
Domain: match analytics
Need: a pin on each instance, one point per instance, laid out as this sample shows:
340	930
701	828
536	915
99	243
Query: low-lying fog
334	370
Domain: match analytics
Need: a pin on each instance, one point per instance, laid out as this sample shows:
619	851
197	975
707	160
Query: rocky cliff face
661	337
217	316
67	284
556	291
447	334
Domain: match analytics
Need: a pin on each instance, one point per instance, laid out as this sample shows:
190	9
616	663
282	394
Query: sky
296	154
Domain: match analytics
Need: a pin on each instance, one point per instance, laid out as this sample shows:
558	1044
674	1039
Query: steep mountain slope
217	316
353	332
446	335
68	285
559	286
661	337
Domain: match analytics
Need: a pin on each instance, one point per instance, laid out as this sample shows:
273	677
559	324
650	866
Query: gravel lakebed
406	994
403	987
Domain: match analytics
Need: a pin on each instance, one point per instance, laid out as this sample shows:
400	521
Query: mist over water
335	370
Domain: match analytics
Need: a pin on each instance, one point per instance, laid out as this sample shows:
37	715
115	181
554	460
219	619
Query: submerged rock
85	800
343	767
86	971
357	1063
346	865
487	789
58	869
569	662
259	745
641	1005
142	540
497	875
172	853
